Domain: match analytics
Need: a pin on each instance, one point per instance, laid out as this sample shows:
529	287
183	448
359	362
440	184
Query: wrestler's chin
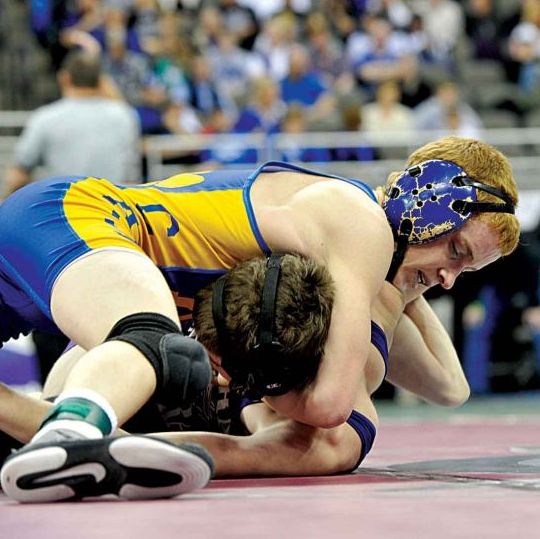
403	280
406	281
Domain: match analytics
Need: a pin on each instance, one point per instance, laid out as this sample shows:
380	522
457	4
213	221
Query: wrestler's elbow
328	410
460	397
454	395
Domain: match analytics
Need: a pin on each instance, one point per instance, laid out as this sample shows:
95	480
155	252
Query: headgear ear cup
424	194
267	370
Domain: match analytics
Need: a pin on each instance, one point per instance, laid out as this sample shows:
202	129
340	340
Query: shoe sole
131	467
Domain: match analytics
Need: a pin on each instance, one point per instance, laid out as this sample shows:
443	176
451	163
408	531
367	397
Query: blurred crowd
242	66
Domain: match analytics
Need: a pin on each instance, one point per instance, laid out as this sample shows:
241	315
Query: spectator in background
343	16
46	21
232	66
208	27
327	55
83	133
262	114
397	12
147	25
493	323
351	120
414	88
265	110
87	16
166	82
132	73
274	43
483	29
457	124
380	54
179	118
307	88
521	13
239	20
443	23
78	133
294	123
268	8
524	49
434	113
386	114
205	95
89	25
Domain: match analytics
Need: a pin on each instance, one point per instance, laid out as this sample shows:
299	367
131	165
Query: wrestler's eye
454	254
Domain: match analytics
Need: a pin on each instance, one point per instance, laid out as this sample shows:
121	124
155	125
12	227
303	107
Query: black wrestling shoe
131	467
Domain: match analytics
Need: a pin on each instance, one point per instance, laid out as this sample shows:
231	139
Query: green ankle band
79	409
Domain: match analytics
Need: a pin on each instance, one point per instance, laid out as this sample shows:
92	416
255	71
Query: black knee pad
181	364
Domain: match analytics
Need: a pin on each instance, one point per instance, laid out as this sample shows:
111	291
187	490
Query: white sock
92	396
83	428
86	430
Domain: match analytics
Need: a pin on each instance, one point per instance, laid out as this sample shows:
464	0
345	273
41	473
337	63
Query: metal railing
522	145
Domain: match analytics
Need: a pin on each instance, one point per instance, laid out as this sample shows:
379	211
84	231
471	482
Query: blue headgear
432	199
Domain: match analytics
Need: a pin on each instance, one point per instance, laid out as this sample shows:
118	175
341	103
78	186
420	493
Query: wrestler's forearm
285	449
424	360
386	311
20	415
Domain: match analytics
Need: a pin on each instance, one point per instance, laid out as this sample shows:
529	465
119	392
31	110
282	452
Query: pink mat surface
473	477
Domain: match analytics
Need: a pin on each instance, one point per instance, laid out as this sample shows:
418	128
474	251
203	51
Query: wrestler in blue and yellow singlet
194	227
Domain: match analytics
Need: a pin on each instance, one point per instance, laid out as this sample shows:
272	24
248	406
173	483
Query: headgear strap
267	370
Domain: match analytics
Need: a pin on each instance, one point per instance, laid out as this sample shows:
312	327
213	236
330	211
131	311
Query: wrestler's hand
388	308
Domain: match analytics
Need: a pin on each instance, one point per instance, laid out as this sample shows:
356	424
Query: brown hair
304	303
83	68
486	164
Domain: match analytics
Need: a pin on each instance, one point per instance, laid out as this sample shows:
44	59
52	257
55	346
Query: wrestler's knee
181	364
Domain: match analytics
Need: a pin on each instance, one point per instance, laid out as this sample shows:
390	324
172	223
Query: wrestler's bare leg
20	414
56	379
89	297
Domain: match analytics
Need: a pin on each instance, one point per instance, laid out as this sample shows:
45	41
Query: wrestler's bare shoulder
302	212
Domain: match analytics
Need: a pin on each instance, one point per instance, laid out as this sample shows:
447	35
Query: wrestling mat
432	473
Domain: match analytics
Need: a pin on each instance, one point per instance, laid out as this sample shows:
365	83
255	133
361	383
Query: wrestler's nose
447	277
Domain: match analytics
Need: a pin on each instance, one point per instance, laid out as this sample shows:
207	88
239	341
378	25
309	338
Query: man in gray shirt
83	133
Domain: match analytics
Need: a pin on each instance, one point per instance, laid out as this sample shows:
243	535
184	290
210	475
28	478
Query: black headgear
268	369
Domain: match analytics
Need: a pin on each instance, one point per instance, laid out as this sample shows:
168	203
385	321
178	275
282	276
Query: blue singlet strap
290	166
378	339
366	431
